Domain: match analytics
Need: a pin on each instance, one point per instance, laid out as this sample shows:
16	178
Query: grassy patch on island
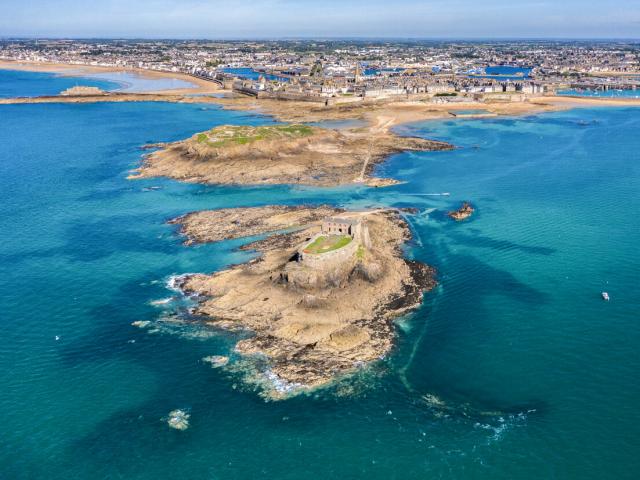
327	243
228	135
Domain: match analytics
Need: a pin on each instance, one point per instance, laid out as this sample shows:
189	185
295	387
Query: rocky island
320	297
280	154
464	212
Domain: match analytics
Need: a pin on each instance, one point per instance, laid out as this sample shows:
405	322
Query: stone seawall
294	97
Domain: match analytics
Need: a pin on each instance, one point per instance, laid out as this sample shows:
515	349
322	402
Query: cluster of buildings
345	70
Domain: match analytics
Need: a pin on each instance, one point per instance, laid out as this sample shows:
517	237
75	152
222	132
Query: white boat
605	296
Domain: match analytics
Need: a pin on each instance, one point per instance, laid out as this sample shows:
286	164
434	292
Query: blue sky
322	18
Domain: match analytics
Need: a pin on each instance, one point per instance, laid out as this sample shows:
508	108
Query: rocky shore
310	325
280	154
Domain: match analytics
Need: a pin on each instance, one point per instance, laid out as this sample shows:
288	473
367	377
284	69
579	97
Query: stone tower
358	75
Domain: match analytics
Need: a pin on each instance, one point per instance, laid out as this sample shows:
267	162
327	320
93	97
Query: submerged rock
178	419
216	361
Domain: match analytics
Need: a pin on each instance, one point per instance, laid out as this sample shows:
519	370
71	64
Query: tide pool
513	368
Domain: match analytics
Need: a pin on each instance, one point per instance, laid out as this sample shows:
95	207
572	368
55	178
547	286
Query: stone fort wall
327	259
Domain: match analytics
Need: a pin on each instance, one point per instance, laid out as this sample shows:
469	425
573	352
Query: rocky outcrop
464	212
310	325
321	157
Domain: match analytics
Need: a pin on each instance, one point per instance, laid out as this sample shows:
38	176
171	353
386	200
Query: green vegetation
241	135
360	252
316	69
327	243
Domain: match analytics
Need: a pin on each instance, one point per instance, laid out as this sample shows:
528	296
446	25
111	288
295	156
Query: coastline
388	111
380	115
200	86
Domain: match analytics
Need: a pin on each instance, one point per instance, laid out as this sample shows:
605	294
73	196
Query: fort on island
321	294
82	91
338	240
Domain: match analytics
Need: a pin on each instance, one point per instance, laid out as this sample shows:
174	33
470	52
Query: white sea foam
175	281
504	423
281	386
404	323
173	324
433	401
141	323
161	301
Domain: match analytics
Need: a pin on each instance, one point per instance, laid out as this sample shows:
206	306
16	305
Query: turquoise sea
506	72
602	93
133	83
514	368
15	83
251	74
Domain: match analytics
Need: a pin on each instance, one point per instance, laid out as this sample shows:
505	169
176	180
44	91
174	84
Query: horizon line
318	38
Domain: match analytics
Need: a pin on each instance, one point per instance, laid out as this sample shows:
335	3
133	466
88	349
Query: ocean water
380	71
602	93
251	74
133	83
14	83
513	368
511	72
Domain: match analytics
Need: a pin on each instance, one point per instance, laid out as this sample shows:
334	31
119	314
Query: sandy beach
199	86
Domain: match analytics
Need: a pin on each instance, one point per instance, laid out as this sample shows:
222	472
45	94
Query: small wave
255	376
282	386
176	324
162	301
141	323
504	423
175	282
